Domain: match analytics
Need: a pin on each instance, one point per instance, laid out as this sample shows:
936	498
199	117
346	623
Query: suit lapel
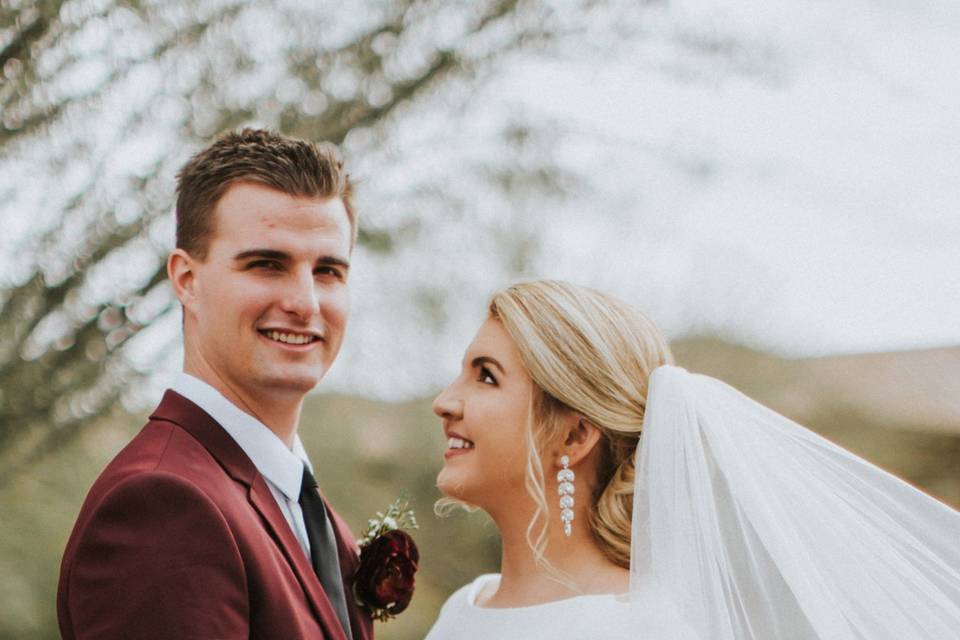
347	550
264	502
199	424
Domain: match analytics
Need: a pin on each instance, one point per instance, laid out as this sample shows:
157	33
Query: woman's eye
486	377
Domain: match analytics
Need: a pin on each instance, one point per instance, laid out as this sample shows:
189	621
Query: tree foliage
103	100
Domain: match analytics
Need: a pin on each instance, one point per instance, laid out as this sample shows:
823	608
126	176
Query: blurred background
775	184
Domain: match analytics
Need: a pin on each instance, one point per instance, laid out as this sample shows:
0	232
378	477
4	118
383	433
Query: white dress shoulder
648	615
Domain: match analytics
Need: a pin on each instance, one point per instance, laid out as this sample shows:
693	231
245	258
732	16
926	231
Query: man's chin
291	384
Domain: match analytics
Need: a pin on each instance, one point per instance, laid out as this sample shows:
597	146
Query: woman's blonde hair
592	354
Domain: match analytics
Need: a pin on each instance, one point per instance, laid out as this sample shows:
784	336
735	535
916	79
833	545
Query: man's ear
581	438
181	269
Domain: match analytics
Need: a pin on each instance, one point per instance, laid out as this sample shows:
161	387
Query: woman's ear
581	438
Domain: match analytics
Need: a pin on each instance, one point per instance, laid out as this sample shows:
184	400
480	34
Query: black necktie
323	547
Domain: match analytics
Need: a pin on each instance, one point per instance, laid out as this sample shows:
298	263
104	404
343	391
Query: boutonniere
388	561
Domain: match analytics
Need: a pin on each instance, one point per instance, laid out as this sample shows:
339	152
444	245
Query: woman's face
484	412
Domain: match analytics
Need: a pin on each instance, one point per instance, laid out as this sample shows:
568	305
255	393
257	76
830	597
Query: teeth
289	338
459	443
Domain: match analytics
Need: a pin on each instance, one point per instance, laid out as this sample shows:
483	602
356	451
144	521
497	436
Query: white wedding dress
646	615
747	526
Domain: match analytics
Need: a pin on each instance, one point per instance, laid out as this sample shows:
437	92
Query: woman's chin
452	485
445	484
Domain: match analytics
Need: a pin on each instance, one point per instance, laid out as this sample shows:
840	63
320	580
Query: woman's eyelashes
486	377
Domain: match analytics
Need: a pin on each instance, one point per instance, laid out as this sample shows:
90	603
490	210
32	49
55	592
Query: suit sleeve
157	560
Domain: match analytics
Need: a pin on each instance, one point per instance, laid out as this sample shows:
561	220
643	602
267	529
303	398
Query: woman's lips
457	446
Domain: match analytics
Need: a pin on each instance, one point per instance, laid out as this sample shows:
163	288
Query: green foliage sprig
399	515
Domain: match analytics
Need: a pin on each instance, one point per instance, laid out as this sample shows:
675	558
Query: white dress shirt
280	466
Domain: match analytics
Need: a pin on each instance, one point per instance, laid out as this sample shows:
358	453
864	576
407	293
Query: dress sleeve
454	620
157	559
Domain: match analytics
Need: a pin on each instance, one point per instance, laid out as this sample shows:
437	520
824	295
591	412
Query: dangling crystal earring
565	477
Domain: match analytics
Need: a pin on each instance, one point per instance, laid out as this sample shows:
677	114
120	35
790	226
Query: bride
724	521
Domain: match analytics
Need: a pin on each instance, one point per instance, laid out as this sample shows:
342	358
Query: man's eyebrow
333	261
482	360
283	256
272	254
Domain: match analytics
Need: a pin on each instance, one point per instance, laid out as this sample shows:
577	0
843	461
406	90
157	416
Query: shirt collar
281	466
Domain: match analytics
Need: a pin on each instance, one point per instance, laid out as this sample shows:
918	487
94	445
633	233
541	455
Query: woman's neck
576	560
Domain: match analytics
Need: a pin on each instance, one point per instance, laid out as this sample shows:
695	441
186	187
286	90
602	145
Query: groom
209	524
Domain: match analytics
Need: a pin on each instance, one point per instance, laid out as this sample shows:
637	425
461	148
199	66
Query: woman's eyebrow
481	360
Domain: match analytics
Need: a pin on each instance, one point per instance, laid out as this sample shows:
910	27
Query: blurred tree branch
82	78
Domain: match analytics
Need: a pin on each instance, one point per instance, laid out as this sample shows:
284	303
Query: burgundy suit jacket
181	538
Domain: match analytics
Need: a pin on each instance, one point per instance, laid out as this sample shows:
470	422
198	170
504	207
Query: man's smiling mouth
285	337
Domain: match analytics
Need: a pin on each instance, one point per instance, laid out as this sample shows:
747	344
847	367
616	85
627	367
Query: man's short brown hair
295	167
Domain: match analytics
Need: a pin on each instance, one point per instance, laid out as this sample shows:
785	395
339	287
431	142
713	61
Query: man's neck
281	415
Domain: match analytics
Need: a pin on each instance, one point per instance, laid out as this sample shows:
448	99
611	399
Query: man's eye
331	272
269	265
486	377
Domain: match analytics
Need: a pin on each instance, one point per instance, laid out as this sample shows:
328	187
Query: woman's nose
447	405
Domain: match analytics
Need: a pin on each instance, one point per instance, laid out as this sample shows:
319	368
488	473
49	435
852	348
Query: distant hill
907	389
900	410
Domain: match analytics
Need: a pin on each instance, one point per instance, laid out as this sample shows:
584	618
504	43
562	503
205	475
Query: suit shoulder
142	454
162	446
153	541
161	464
148	498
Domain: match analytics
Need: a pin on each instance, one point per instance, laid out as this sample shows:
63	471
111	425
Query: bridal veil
761	530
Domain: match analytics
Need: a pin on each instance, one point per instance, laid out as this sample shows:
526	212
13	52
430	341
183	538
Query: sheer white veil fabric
760	529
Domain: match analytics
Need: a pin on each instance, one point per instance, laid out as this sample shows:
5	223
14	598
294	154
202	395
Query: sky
800	191
782	175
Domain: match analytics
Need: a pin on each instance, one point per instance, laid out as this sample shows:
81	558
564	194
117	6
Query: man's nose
448	405
301	297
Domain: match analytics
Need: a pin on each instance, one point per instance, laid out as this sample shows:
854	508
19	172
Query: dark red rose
384	579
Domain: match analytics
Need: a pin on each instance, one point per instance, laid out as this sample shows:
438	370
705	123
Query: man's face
266	310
